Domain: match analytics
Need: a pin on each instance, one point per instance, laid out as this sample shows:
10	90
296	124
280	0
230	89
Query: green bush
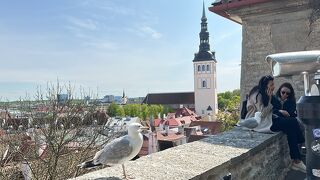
229	108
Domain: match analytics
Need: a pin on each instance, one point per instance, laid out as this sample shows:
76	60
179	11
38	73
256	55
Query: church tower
204	65
124	98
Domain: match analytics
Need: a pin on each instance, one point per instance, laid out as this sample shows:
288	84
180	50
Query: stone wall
274	27
265	156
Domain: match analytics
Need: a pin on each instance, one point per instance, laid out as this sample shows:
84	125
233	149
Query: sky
107	46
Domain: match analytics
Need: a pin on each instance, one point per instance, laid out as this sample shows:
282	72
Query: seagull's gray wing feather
250	123
114	152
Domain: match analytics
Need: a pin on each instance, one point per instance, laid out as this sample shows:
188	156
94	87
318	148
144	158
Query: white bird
252	122
119	150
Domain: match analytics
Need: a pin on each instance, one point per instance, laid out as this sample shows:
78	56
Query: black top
289	106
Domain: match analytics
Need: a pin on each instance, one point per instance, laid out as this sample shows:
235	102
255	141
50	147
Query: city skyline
110	46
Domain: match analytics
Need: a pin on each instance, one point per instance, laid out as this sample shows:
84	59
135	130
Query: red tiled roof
157	122
185	112
172	136
172	122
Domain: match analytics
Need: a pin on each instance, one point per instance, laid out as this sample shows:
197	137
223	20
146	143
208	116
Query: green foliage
112	109
229	108
229	119
144	111
137	110
120	111
229	101
168	109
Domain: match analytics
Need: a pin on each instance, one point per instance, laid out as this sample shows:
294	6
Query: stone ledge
211	158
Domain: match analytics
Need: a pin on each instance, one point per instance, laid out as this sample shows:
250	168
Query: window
199	68
204	84
203	67
208	67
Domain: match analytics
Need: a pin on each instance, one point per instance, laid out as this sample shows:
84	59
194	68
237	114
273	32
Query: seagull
119	150
252	122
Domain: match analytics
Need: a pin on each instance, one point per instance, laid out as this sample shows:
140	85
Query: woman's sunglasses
284	92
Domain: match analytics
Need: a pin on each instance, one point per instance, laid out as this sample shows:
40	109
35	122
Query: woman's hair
253	90
263	86
291	96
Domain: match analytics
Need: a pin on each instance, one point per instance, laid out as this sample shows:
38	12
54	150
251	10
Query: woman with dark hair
287	101
261	99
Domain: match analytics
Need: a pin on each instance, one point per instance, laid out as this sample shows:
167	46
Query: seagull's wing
114	152
249	123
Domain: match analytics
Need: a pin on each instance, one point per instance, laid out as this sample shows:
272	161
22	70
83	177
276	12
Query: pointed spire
123	94
203	13
204	53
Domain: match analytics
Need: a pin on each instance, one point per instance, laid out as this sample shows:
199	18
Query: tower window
203	67
204	84
199	68
208	67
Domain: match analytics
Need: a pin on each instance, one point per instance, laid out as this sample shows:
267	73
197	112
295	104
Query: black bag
244	110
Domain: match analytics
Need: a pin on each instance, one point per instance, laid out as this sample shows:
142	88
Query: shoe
299	167
303	150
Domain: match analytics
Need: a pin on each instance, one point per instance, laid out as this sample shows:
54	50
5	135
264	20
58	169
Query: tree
120	111
112	109
55	139
144	112
229	108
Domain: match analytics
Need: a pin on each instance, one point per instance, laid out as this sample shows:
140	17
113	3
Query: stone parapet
265	156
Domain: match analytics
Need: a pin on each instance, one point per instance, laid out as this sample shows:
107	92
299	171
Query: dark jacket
288	105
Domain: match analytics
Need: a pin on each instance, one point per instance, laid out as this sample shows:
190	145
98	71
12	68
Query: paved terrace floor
296	175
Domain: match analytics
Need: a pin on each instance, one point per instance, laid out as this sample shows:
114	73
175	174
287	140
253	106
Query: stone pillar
272	27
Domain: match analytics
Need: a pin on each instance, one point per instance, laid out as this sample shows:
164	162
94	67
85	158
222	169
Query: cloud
87	24
102	45
108	6
150	31
145	31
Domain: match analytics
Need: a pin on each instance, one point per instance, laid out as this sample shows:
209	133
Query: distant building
173	100
205	76
87	99
107	99
135	100
62	98
118	99
124	98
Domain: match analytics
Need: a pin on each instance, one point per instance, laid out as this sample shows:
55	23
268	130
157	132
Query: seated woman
261	101
286	100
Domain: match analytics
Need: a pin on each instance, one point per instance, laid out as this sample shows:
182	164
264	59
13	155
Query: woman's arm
290	107
276	106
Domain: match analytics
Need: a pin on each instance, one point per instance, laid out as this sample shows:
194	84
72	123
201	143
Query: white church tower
205	76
